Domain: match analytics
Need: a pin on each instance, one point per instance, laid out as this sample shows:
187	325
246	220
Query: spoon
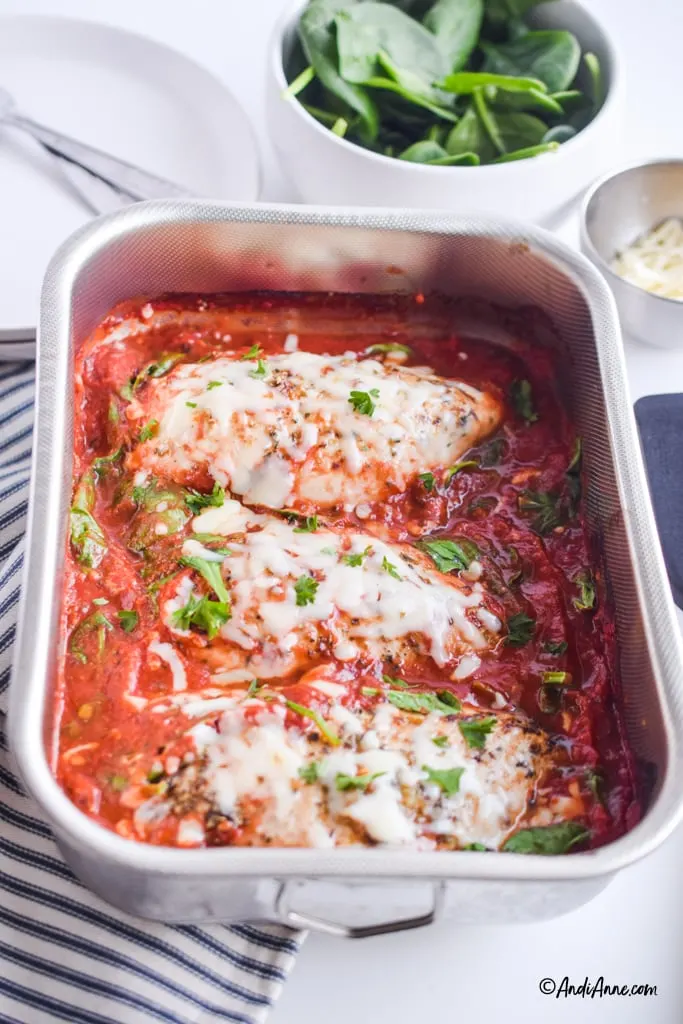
130	181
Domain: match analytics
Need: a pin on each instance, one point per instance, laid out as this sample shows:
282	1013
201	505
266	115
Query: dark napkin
660	421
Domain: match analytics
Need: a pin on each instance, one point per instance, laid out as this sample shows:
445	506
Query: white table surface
633	932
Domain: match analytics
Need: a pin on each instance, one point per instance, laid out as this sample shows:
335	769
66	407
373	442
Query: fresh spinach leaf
87	537
488	120
446	554
507	10
469	136
366	29
597	90
545	509
317	32
528	152
416	98
552	56
519	130
423	152
548	840
465	82
422	703
456	25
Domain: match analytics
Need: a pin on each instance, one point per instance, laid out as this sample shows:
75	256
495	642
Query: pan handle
294	919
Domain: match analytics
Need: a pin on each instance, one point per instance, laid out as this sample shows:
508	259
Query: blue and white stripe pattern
64	954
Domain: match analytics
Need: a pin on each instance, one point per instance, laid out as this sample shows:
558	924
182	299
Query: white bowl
332	171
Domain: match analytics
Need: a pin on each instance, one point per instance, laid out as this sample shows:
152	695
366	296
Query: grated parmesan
654	261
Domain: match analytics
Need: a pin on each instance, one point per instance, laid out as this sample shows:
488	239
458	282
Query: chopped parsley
254	687
211	572
149	430
118	782
300	709
522	400
391	569
586	599
358	558
427	480
128	620
214	384
448	779
521	630
478	847
310	773
191	405
305	589
307	525
440	741
388	346
362	401
548	840
369	691
458	467
344	782
100	600
203	613
253	353
196	501
260	371
555	646
475	730
446	554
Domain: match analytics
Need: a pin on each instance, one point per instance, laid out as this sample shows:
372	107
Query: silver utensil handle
125	177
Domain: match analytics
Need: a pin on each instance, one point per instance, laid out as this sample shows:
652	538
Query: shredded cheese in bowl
655	260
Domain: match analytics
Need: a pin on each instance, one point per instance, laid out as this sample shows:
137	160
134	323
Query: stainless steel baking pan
205	247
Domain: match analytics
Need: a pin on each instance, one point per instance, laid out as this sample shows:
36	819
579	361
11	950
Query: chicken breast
264	773
297	595
301	428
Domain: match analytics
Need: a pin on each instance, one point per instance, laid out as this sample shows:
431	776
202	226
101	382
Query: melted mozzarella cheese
257	770
292	433
168	654
290	589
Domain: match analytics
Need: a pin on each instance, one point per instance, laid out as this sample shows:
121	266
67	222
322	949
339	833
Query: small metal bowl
617	210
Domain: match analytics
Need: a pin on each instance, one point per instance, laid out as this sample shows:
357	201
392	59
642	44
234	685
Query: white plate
122	93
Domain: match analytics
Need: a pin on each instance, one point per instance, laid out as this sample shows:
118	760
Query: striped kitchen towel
64	954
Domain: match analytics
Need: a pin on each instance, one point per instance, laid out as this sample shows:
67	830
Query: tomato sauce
516	497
